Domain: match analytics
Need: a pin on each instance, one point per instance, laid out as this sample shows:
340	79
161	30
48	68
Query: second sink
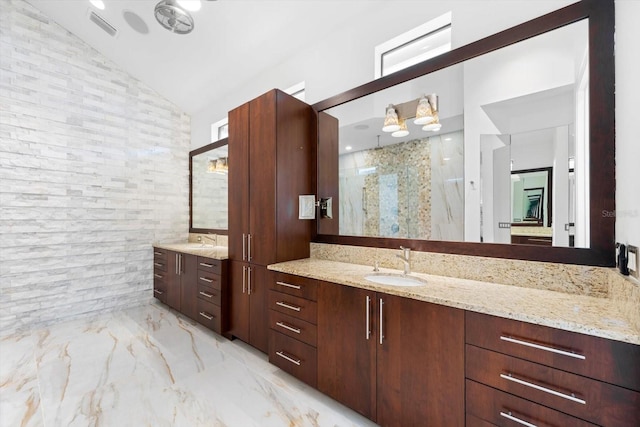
395	280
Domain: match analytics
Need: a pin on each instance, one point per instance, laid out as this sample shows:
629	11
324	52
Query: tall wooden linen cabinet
271	163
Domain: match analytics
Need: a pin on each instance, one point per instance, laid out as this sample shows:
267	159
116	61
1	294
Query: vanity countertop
588	315
215	252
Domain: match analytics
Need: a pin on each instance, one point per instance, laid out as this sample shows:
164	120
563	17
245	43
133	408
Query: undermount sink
395	280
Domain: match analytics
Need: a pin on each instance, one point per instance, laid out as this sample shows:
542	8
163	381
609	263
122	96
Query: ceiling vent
100	22
174	18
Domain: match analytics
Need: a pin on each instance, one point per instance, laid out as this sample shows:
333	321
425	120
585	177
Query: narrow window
430	39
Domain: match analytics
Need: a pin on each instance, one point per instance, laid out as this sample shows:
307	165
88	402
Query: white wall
93	169
627	140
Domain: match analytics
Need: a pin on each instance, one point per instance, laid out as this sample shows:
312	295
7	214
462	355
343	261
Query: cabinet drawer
299	308
473	421
159	276
298	286
209	315
209	264
159	266
208	294
589	399
160	292
295	357
206	278
160	255
611	361
293	327
502	409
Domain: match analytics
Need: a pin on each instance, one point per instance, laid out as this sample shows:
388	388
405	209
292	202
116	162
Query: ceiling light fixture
99	4
391	120
174	18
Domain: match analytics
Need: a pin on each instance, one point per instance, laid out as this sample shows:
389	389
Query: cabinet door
258	319
189	285
420	363
238	182
238	301
262	179
173	280
347	346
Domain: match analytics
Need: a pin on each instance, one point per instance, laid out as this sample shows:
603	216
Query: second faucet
406	259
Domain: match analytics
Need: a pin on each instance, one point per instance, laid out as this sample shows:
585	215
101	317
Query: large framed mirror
208	189
538	96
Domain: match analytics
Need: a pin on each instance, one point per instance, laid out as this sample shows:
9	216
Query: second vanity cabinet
394	360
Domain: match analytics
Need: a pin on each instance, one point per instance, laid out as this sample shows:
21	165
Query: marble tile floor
148	366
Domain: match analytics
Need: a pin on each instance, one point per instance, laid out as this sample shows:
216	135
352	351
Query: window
297	91
220	130
430	39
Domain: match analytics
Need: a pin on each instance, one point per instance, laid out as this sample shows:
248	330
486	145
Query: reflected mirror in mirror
530	97
209	188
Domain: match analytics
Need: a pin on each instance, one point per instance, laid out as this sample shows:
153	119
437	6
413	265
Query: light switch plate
632	263
307	207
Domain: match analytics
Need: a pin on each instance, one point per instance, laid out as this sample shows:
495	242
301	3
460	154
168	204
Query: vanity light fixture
424	113
434	125
403	131
218	165
391	120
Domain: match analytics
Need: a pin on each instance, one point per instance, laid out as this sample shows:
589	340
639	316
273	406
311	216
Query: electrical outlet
633	260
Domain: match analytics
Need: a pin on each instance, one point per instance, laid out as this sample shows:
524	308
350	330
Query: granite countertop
215	252
588	315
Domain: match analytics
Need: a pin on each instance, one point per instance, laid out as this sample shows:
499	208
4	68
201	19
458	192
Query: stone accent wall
93	169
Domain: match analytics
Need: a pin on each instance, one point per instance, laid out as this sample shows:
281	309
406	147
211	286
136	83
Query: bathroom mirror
208	190
551	74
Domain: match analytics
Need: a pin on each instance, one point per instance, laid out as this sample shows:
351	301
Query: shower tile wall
93	169
412	189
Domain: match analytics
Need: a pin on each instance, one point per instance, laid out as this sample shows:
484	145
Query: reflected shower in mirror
453	182
209	188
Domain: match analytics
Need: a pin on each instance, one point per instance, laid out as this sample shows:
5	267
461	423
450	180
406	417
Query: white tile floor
148	367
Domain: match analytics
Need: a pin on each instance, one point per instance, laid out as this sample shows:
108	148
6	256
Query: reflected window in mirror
209	168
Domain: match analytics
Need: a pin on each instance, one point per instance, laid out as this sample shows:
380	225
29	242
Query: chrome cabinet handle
244	278
515	419
158	253
176	264
543	347
204	264
249	247
381	334
203	314
285	357
244	248
157	264
368	316
158	292
285	305
204	294
287	327
249	280
157	275
204	279
289	285
571	397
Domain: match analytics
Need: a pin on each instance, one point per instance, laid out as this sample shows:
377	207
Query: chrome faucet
406	259
213	240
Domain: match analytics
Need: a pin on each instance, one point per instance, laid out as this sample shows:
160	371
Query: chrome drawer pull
204	294
509	377
158	276
381	331
204	279
542	347
285	357
158	292
287	327
285	305
368	317
288	285
157	264
203	314
158	253
204	264
516	420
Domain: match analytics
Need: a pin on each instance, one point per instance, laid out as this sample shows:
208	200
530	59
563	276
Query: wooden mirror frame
601	252
208	147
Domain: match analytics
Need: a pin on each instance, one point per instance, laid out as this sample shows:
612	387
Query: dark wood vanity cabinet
395	360
193	285
292	322
271	153
523	373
